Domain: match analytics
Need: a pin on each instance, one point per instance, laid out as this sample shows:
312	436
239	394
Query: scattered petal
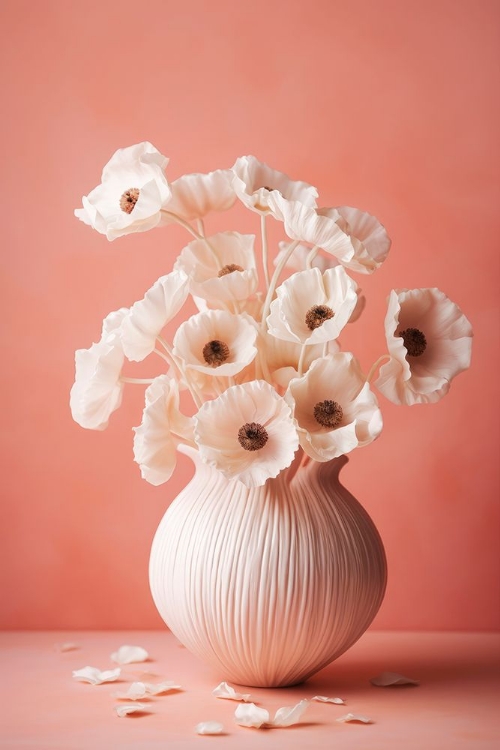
136	691
209	727
139	690
289	715
95	676
129	708
356	717
388	679
250	715
324	699
129	655
226	691
159	688
66	646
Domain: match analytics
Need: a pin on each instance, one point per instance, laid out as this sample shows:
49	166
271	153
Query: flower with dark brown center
230	268
316	316
414	341
252	436
328	413
215	353
128	200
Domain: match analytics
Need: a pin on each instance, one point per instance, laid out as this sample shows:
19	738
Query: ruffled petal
149	316
160	431
196	195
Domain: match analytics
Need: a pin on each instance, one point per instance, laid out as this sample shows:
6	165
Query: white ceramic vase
268	585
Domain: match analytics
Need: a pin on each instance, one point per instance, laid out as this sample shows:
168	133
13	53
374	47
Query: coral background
389	106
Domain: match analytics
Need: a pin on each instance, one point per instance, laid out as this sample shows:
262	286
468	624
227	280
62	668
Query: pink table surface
455	706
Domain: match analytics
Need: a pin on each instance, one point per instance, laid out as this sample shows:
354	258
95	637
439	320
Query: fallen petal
129	708
159	688
388	679
136	691
250	715
209	727
129	655
289	715
66	646
226	691
324	699
95	676
356	717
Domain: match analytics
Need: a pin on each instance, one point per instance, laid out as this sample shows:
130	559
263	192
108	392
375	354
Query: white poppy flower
97	390
369	239
132	192
334	408
311	308
162	427
216	342
146	318
222	267
429	340
196	195
282	357
247	433
307	224
254	182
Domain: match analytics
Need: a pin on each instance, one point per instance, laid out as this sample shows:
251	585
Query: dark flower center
215	352
252	436
328	413
316	316
230	268
129	199
414	341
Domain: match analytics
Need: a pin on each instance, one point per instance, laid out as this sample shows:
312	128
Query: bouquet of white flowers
261	359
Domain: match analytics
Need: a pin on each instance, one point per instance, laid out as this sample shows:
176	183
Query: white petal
136	691
96	676
226	691
324	699
287	716
157	437
255	183
387	679
356	717
196	195
97	390
129	655
250	715
125	709
209	727
159	688
146	318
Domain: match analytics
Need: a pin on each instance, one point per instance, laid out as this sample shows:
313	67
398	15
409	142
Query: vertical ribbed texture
269	584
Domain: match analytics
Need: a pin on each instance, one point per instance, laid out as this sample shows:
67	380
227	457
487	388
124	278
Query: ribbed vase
268	585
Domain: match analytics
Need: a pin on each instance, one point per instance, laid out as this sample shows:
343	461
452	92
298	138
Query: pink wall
390	106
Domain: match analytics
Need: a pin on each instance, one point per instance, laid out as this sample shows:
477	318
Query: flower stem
263	234
172	360
200	226
311	256
301	360
274	280
182	223
376	364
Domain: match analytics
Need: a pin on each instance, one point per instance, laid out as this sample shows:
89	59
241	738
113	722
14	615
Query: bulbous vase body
270	584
